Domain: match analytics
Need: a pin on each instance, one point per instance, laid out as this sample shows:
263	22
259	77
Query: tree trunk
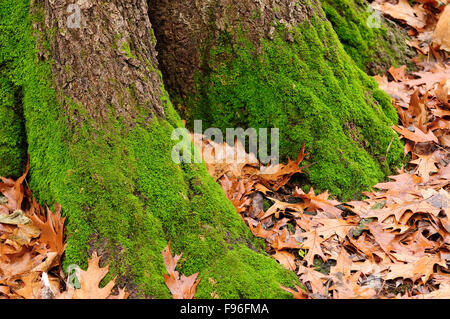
98	125
271	63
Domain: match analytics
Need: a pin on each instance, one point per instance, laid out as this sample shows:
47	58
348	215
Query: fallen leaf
441	35
312	243
398	73
260	232
16	218
426	165
286	259
51	226
89	283
315	279
285	241
414	16
181	287
297	294
348	288
13	191
276	176
320	202
416	135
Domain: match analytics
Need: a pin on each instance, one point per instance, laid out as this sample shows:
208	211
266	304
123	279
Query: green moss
12	130
127	50
121	191
313	92
245	288
374	49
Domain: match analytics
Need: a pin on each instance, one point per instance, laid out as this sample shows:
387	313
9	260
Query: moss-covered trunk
278	64
99	124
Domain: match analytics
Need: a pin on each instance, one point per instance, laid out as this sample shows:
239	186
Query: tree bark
99	123
271	63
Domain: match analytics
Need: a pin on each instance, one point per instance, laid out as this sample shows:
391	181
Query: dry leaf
52	228
286	259
89	283
297	294
441	35
414	16
398	73
181	287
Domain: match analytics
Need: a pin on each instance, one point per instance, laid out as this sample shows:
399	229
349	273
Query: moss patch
12	130
313	92
374	49
122	193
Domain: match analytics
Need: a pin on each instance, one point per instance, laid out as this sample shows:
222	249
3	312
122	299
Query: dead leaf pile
427	22
395	243
31	246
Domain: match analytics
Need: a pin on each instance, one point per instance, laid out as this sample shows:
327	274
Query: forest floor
395	243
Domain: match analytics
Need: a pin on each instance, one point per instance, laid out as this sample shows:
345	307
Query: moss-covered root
374	43
12	130
135	203
122	193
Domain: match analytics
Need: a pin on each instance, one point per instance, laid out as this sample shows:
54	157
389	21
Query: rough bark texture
272	63
108	62
185	29
99	124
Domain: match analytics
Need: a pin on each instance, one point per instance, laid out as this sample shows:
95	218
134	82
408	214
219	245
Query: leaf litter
32	243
